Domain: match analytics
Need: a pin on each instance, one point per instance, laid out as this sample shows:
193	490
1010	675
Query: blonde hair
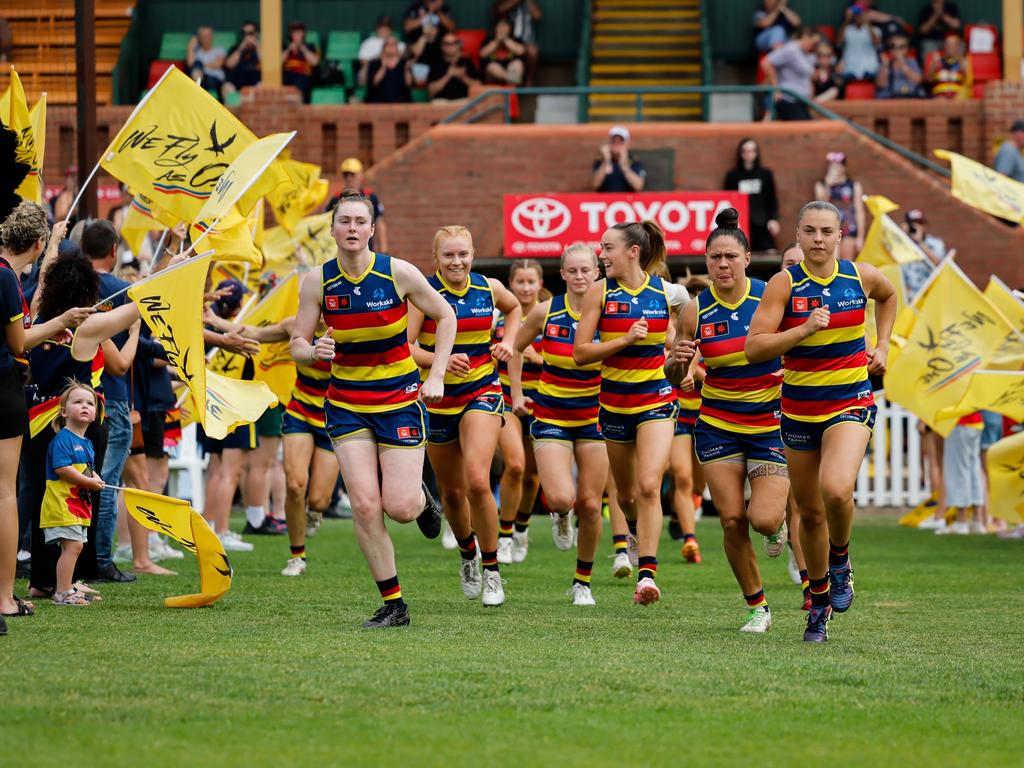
578	247
450	232
60	422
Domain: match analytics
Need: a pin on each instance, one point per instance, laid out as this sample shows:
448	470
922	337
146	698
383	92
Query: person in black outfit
616	171
243	62
450	78
389	77
758	183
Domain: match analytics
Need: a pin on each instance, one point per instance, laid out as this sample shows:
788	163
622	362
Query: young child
67	508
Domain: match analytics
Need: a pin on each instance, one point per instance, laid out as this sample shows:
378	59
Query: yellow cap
351	165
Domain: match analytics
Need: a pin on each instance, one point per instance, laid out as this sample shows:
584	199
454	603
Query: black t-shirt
455	88
615	181
938	32
391	89
759	186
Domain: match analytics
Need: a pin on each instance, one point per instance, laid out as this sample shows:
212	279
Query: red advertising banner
538	226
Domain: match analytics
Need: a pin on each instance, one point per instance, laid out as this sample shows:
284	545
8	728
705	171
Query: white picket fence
891	474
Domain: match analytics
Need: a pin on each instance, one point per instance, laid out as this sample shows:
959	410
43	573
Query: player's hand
687	384
682	353
531	355
521	406
458	365
877	359
818	321
502	351
324	348
637	331
432	390
233	341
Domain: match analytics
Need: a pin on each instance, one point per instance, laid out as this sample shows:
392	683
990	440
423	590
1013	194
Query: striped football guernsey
531	371
567	394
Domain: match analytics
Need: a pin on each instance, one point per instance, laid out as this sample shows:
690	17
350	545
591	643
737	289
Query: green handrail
505	93
583	60
705	58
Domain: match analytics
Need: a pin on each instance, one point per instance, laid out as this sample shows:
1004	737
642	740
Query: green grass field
926	669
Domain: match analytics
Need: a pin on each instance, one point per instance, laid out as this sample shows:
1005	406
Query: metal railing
471	113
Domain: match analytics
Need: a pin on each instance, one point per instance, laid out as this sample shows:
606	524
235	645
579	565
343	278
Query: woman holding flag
812	314
373	412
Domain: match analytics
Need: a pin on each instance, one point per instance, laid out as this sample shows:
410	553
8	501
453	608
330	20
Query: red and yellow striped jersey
689	404
474	313
633	379
531	371
567	394
737	396
826	374
372	369
311	384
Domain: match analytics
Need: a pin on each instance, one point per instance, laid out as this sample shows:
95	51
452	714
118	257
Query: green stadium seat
174	45
420	96
328	95
359	94
343	45
232	99
225	40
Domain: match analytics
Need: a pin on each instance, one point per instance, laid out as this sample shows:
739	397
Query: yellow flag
1005	462
37	116
231	403
177	519
230	238
1009	355
14	113
278	250
314	235
955	332
141	219
885	242
997	391
175	145
274	364
304	192
256	223
983	188
248	173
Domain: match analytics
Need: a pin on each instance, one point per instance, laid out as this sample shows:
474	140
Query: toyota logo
541	217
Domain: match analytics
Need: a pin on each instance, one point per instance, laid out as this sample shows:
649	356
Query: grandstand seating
43	33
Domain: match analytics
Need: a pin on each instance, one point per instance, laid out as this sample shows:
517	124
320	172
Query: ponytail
650	239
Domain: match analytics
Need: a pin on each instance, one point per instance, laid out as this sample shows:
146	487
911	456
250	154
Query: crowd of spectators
886	56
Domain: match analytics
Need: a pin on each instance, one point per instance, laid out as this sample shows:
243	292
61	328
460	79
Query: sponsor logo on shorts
408	433
616	308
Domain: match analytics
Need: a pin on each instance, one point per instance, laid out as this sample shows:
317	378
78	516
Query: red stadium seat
472	40
978	91
760	72
986	66
860	90
158	67
827	31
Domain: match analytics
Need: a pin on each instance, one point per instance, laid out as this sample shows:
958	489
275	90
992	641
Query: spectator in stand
243	62
352	178
899	76
1009	161
523	15
828	84
888	24
774	24
450	78
299	60
791	67
750	177
860	42
949	74
916	225
389	77
425	14
504	56
206	61
616	171
372	46
934	22
846	195
427	47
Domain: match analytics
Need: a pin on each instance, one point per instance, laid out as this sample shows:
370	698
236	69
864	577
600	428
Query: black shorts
13	409
153	435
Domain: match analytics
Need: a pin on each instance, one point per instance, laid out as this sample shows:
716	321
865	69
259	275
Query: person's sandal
90	594
71	597
24	609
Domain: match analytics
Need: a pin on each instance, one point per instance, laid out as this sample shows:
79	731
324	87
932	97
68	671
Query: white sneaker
621	567
520	545
581	595
759	620
494	590
314	520
562	530
961	529
978	527
123	553
1012	533
448	540
774	544
932	523
296	566
632	550
791	567
469	577
232	542
170	553
505	550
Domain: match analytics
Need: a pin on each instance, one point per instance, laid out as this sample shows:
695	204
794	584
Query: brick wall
464	170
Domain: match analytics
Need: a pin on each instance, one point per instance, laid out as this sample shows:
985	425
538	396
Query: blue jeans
119	443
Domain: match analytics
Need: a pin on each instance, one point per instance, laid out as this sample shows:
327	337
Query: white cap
619	130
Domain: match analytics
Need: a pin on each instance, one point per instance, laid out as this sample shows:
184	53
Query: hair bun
728	219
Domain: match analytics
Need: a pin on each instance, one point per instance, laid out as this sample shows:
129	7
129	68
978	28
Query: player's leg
510	491
478	434
447	462
803	476
592	461
653	445
298	453
624	557
681	468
